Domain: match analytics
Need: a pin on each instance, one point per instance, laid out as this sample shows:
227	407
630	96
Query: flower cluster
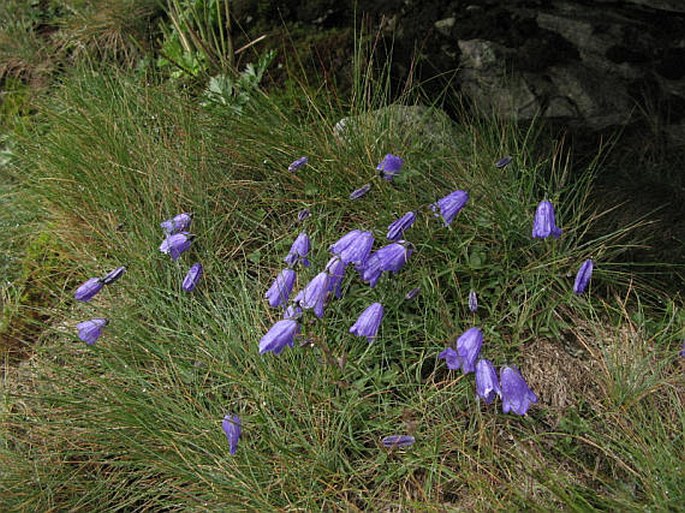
89	331
176	242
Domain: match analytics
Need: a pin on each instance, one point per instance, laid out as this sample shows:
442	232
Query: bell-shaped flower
544	223
358	193
280	335
313	296
231	426
175	245
388	258
178	223
297	164
192	277
516	395
487	384
113	275
88	289
280	289
473	301
397	228
466	354
336	272
503	162
354	247
390	166
397	441
368	322
583	276
299	250
90	331
449	206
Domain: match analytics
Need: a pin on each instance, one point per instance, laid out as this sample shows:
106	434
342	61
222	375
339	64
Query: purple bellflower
336	272
504	161
88	289
516	395
90	331
412	293
397	228
398	441
280	335
390	166
313	296
297	164
388	258
583	276
449	206
473	301
487	384
303	214
354	247
358	193
368	322
468	348
231	426
178	223
293	312
113	275
544	223
280	289
299	250
193	277
175	245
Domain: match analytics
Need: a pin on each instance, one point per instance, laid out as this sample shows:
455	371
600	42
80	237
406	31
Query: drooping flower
390	166
516	395
412	293
90	331
297	164
368	322
468	348
280	289
88	289
313	296
193	277
544	223
299	250
303	214
398	441
487	384
503	162
583	276
388	258
358	193
113	275
281	334
231	426
449	206
354	247
336	272
473	301
174	245
397	228
178	223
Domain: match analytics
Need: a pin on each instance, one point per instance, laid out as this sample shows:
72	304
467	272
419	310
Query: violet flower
88	289
504	161
231	426
368	322
487	384
398	441
192	277
281	334
113	275
293	312
449	206
516	395
298	251
336	272
281	288
175	245
544	223
358	193
466	353
354	247
178	223
473	301
297	164
388	258
583	276
397	228
90	331
313	296
390	166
